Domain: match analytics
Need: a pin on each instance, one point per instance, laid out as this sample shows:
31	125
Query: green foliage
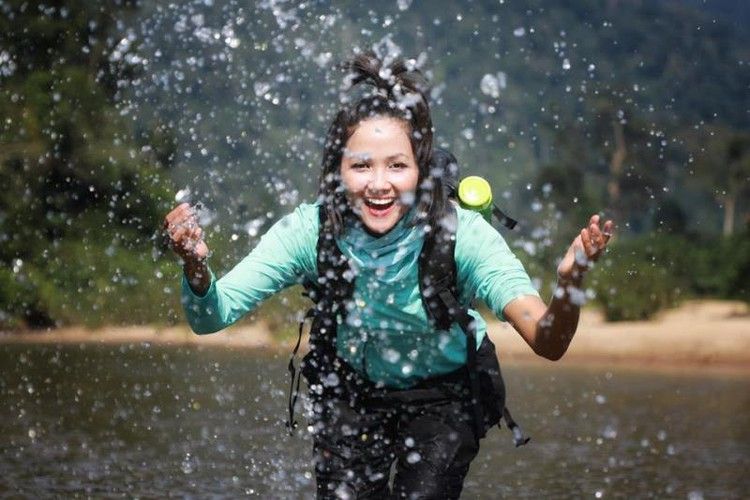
737	266
26	292
720	268
84	282
636	279
624	107
572	72
720	158
82	199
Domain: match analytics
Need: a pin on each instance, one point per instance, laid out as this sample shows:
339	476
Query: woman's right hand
185	235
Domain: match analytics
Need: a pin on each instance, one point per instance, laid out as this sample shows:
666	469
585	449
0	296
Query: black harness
438	288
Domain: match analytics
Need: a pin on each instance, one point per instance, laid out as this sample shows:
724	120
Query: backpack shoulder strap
335	282
437	270
438	279
437	284
332	288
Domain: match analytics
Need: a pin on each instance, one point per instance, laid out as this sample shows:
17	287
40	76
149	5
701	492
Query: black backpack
437	284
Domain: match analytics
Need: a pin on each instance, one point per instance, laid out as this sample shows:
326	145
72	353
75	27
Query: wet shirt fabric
386	336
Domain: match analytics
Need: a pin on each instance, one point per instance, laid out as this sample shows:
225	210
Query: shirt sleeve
284	256
487	268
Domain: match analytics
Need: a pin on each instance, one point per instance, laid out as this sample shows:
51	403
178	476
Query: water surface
156	421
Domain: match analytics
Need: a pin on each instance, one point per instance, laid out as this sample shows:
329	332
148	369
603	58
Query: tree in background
561	105
82	195
720	161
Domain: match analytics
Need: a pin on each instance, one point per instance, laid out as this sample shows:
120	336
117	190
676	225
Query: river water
143	421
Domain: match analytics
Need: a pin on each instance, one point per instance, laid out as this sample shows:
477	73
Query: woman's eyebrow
366	157
396	155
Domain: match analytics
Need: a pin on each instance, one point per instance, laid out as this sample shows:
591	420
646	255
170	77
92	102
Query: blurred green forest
113	110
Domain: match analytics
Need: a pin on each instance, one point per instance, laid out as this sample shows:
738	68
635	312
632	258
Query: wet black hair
445	163
399	90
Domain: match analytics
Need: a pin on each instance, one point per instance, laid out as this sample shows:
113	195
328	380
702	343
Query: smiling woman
389	383
380	173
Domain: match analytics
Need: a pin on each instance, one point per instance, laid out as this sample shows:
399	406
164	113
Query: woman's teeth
379	204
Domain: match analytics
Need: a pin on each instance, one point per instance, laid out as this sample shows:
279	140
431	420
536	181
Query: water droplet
695	495
609	432
403	4
491	85
391	355
183	195
187	465
331	380
343	492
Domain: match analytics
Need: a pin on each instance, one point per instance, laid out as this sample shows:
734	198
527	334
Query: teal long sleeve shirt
387	336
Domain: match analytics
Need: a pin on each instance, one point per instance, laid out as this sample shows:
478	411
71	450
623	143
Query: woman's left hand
585	250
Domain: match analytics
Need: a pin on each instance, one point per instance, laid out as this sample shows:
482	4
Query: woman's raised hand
185	234
585	249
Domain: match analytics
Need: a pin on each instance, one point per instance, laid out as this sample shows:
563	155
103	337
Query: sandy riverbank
700	334
703	333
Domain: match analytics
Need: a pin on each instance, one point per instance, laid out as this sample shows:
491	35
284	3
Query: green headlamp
473	192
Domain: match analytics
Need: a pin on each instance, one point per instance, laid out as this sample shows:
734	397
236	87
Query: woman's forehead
380	123
379	127
379	139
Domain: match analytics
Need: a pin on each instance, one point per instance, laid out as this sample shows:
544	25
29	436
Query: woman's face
380	173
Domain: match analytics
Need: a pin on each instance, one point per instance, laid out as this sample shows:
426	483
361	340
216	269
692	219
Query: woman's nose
378	180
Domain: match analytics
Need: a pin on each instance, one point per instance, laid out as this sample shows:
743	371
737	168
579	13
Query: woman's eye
399	166
359	166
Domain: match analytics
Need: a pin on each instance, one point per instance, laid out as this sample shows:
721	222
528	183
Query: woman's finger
597	239
179	235
176	211
177	216
587	241
186	220
599	235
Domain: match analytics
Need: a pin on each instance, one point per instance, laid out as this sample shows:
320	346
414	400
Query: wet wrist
566	281
195	269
